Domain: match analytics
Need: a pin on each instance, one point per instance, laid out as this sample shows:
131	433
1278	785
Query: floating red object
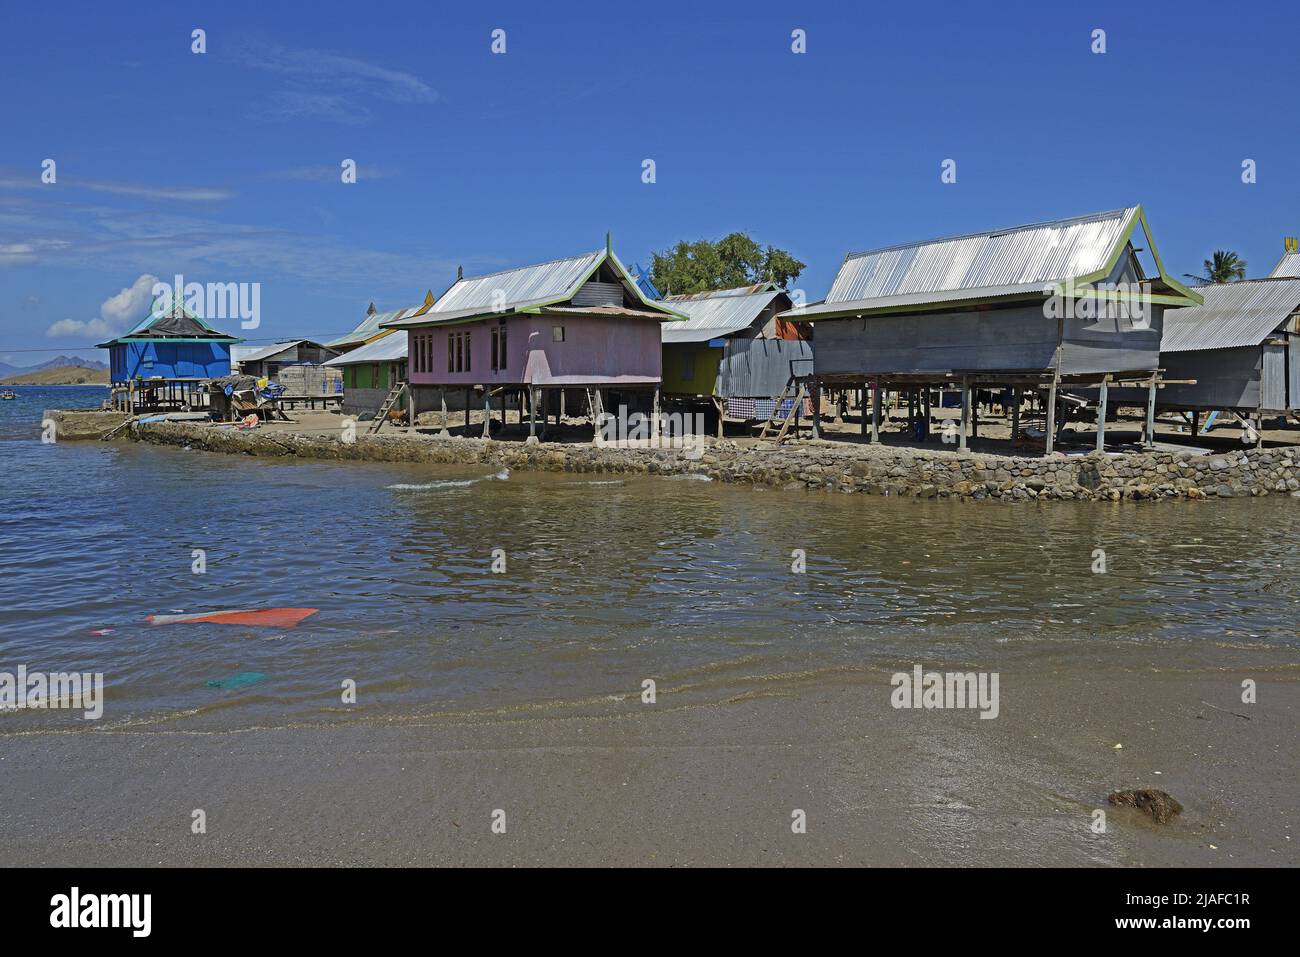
267	617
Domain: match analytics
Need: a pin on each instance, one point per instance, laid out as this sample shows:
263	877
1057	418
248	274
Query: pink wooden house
579	326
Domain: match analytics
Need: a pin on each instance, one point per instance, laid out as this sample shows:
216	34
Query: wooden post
875	411
1151	414
487	412
975	414
817	409
718	404
862	409
965	414
1101	414
560	415
1050	438
532	413
1196	422
911	410
1015	417
410	406
654	419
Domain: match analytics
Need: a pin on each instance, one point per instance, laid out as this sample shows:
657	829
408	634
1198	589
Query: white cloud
319	83
189	194
117	313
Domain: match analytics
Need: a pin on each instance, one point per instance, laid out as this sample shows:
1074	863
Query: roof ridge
502	272
1069	220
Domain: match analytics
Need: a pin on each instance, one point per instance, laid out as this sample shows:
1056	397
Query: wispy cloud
35	231
334	86
189	194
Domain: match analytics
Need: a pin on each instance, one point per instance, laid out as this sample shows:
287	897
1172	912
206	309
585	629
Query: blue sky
225	166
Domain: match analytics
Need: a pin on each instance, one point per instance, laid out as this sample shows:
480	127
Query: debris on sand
1160	806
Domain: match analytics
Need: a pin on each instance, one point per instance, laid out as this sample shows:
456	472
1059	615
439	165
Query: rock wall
877	470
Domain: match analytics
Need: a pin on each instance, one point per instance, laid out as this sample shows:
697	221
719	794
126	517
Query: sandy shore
705	776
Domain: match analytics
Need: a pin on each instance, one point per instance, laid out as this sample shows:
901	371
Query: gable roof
367	330
524	290
175	323
389	347
1233	314
718	313
1018	262
260	353
1287	266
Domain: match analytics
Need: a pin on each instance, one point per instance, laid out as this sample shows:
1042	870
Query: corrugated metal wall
595	293
760	368
1225	378
1112	344
1272	380
1021	338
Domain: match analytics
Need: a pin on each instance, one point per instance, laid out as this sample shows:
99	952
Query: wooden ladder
390	400
595	406
776	409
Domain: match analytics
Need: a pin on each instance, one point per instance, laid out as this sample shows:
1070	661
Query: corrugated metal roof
1288	265
389	348
369	327
257	353
1234	314
1000	262
510	289
714	314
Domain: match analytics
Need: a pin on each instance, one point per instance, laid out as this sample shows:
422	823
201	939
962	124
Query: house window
458	346
557	333
499	347
688	367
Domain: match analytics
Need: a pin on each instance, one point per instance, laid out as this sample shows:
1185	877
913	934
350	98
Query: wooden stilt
1049	440
965	414
862	409
487	413
875	411
1149	433
817	410
1015	417
1101	414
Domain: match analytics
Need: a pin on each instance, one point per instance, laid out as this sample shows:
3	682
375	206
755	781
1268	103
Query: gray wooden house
1072	303
1241	347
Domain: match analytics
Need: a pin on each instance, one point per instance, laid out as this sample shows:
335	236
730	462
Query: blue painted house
159	363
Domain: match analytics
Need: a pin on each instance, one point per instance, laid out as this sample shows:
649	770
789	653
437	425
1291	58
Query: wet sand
709	775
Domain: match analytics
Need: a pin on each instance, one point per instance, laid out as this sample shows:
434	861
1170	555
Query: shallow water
608	581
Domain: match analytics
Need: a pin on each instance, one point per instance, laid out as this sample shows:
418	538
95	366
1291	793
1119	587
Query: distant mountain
58	362
61	375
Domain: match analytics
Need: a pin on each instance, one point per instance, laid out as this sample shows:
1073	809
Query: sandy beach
709	775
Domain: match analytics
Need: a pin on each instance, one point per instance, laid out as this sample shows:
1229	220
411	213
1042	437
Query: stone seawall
877	470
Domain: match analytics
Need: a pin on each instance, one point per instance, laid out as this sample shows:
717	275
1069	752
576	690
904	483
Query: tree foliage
734	260
1224	266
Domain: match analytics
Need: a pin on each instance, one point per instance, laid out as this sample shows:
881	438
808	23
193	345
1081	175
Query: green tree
1225	266
734	260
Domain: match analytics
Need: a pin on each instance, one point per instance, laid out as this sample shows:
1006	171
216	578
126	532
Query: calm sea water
607	582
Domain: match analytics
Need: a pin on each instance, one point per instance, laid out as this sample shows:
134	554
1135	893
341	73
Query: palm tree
1225	266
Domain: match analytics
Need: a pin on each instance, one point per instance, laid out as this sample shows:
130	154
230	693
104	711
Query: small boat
8	394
